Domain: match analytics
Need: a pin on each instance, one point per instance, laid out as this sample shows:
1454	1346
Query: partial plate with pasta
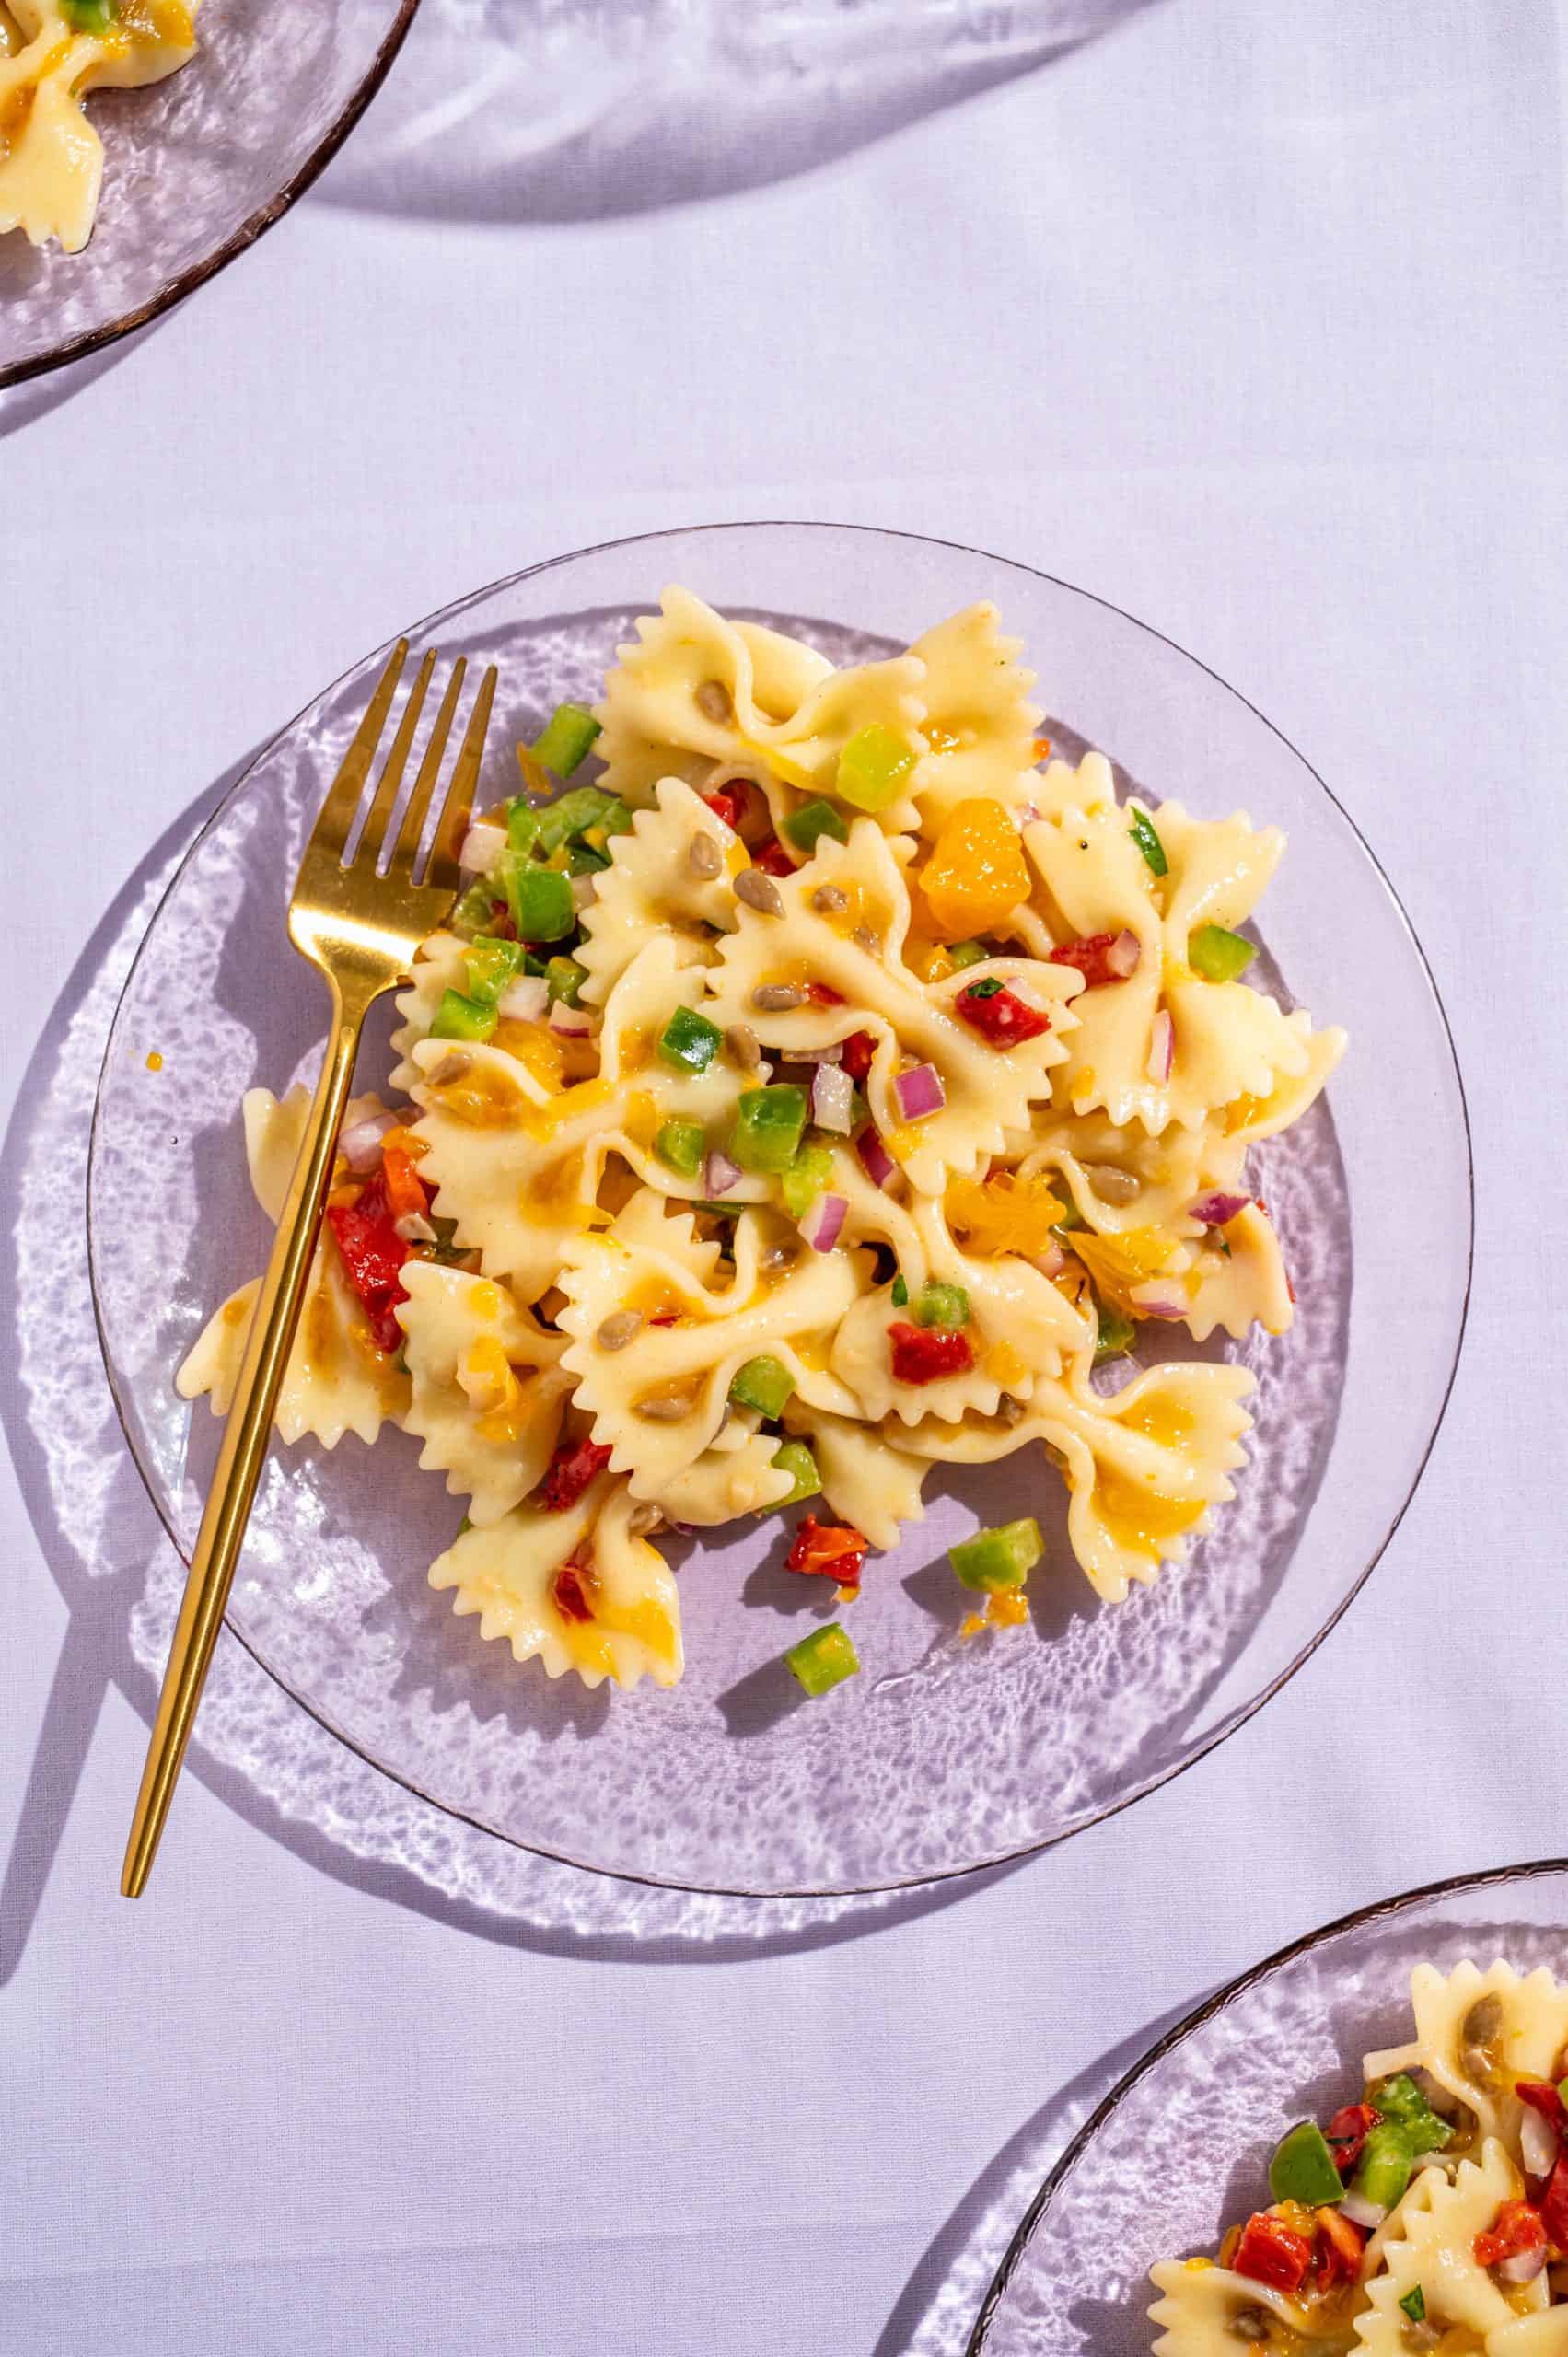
748	1142
1360	2147
145	142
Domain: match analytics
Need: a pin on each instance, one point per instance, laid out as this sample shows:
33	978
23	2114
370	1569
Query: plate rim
427	628
1374	1910
238	241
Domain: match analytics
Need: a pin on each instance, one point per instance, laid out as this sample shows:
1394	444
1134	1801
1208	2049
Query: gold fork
361	929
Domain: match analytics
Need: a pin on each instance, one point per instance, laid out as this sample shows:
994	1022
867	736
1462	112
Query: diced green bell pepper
998	1559
583	860
565	738
941	1305
565	979
681	1145
824	1659
1217	955
522	824
539	897
795	1459
764	1384
873	767
1401	2101
812	819
967	953
768	1124
458	1018
1141	831
573	814
804	1180
1386	2164
689	1042
900	1292
492	963
476	909
1414	2305
1303	2167
1115	1334
89	16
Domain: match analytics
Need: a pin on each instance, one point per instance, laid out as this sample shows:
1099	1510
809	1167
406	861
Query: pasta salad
839	1085
52	54
1432	2215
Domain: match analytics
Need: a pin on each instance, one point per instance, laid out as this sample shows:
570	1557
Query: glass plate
1181	2149
943	1756
195	168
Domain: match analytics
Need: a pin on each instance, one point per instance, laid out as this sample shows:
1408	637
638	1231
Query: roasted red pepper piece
1339	2259
405	1189
372	1253
574	1464
1000	1015
1517	2228
830	1551
1543	2097
1348	2131
728	804
859	1050
925	1353
1554	2204
773	858
1089	957
566	1588
1270	2252
823	995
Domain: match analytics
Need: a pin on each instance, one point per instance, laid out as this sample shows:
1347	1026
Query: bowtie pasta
830	1090
52	53
1431	2215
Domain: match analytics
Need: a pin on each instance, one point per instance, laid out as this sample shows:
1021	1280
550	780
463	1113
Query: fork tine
406	849
335	819
373	832
443	867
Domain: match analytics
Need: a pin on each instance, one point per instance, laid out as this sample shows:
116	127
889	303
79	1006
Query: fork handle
243	1450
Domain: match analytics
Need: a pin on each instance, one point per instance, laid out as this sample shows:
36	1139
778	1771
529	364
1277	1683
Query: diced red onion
1162	1047
832	1092
1124	953
875	1159
1537	2144
1362	2213
822	1222
1524	2265
1028	814
719	1174
415	1229
1050	1264
919	1092
572	1022
1153	1300
1217	1211
524	998
482	846
360	1145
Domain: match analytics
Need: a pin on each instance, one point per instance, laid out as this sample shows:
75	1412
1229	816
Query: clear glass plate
943	1756
195	168
1181	2149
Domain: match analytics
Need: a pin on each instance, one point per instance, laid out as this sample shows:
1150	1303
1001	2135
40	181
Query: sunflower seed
742	1043
777	998
829	902
867	939
1111	1185
664	1408
714	700
759	891
642	1520
617	1329
450	1068
703	857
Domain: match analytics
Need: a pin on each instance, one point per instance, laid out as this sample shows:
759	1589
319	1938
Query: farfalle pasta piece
652	889
659	1397
1476	2032
724	1482
1431	2250
813	946
337	1381
1209	2311
487	1393
440	964
616	1616
979	726
1142	1467
50	157
873	1486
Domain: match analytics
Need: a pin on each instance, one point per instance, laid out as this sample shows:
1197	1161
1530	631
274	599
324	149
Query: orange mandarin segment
977	872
